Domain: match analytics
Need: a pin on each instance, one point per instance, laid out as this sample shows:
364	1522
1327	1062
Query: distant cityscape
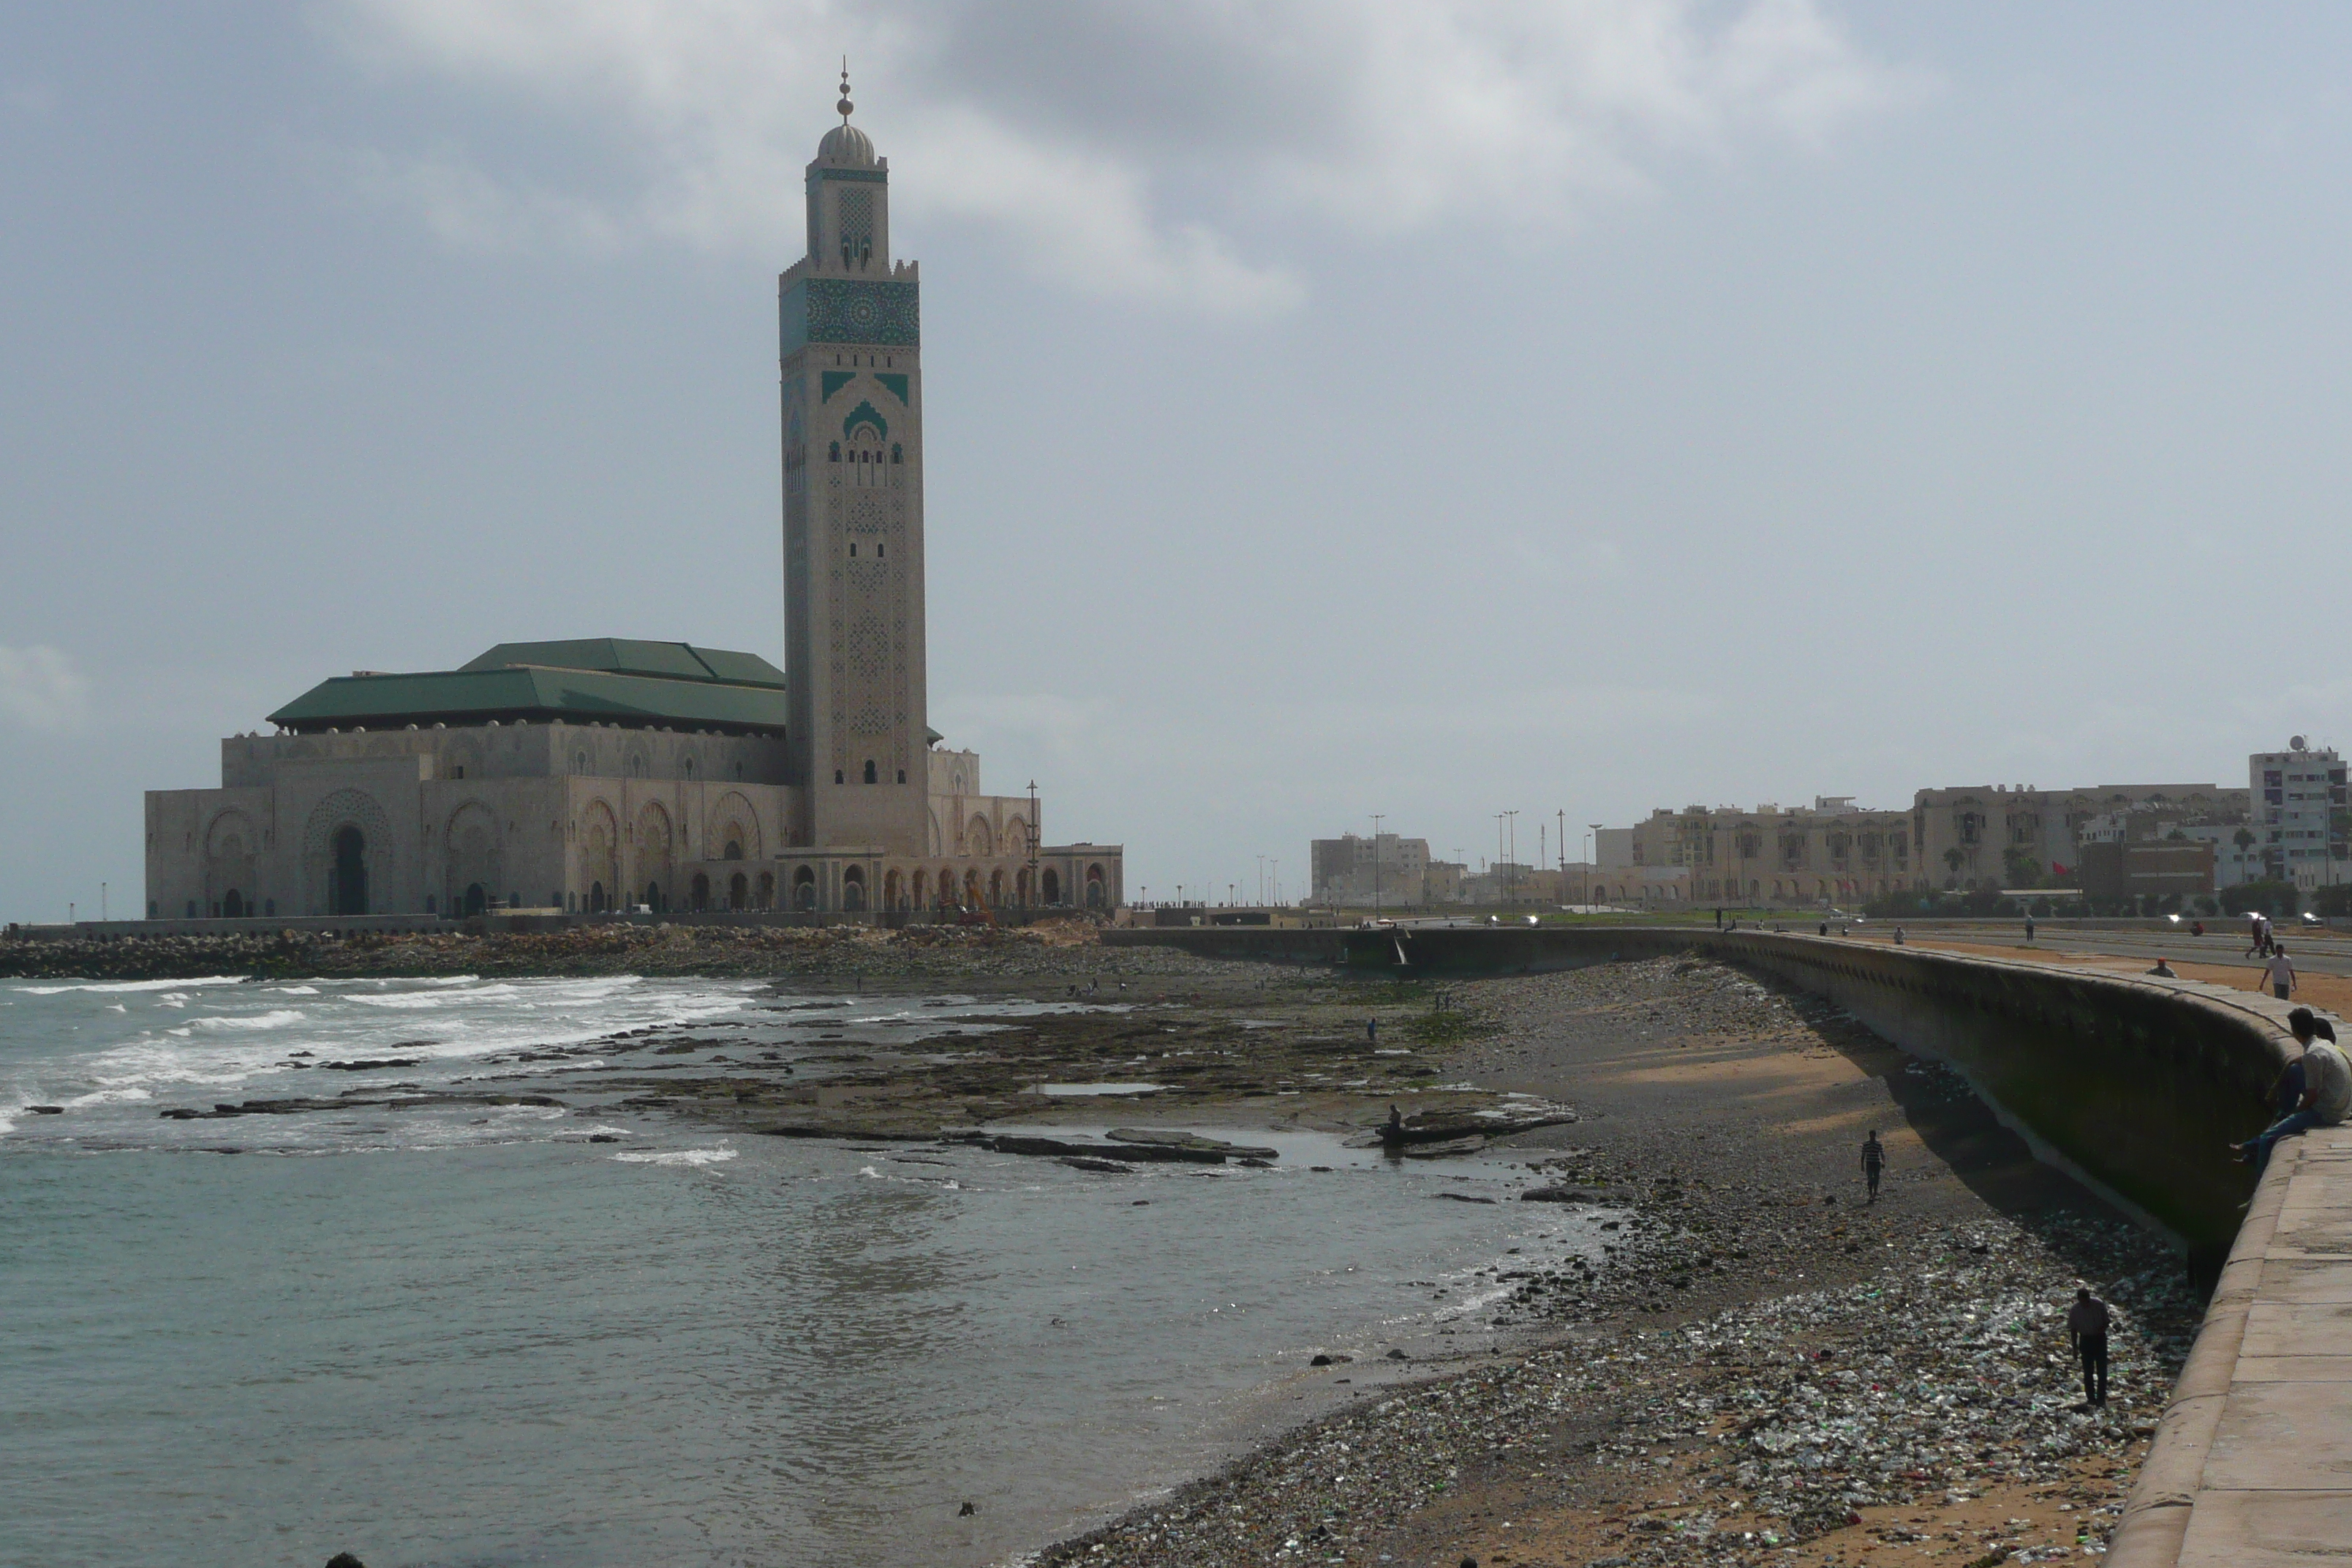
2137	846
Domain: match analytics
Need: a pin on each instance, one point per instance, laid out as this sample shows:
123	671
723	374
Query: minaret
853	437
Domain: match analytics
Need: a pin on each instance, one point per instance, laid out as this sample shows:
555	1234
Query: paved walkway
2253	1465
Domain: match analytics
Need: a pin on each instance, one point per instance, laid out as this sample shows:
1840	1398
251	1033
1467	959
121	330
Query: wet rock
1447	1150
1190	1140
1089	1162
47	1110
345	1560
1039	1144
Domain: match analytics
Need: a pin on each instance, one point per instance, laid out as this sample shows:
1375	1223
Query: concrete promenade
2251	1465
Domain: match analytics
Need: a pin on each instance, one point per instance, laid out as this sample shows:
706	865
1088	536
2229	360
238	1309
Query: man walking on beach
2279	972
2086	1323
1874	1161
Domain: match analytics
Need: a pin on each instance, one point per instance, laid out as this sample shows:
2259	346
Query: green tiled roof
624	655
606	679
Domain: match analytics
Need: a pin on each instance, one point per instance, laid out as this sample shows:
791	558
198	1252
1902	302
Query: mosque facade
606	773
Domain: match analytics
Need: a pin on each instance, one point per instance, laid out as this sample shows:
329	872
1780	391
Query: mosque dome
845	143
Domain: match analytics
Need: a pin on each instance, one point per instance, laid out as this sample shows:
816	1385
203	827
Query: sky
1333	408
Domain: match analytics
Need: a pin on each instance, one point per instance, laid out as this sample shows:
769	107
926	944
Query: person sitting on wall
2327	1089
2163	971
2286	1090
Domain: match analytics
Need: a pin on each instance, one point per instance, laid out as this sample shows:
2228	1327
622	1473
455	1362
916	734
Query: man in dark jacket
2086	1324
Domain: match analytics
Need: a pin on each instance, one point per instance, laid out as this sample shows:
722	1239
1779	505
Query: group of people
2262	941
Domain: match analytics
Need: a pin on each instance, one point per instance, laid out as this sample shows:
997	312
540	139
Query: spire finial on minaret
844	106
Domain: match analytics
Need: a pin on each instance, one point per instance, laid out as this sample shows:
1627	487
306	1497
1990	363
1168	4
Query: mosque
604	773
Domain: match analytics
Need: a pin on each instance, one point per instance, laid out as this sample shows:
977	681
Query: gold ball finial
844	106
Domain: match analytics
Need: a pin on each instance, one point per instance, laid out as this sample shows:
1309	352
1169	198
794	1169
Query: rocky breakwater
1047	951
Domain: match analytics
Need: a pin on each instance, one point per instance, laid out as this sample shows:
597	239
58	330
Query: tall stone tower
853	442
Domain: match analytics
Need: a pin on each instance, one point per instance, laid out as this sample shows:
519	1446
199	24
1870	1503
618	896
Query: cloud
1168	153
39	688
467	208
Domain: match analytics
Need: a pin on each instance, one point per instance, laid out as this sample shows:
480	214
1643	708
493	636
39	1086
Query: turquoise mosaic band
849	310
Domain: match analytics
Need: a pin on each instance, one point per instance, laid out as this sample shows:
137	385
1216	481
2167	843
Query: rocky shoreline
964	953
1767	1370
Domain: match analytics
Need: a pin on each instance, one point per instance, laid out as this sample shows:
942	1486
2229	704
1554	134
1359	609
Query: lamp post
1593	854
1511	858
1378	817
1036	837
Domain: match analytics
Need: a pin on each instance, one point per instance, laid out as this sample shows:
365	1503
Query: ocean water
470	1335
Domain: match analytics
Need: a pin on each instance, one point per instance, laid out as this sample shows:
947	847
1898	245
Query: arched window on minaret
867	471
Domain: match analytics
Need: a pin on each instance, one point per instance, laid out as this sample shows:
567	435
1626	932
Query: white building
2299	815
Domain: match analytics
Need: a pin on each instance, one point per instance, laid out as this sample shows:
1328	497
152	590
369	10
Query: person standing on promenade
2327	1089
2257	941
2029	930
1874	1161
2086	1325
2279	973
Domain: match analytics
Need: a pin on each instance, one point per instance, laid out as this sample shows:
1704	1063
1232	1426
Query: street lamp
1035	838
1378	817
1511	860
1592	853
